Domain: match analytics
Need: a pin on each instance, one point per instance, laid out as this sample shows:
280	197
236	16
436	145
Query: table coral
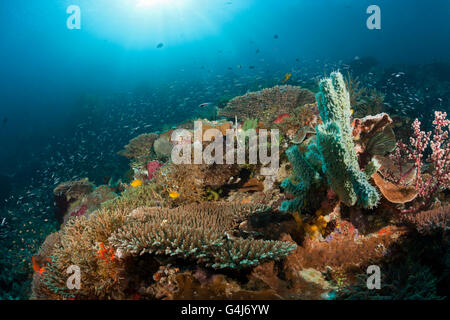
139	146
202	233
267	104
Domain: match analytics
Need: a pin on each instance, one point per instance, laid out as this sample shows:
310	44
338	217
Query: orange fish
280	118
39	266
384	230
287	76
36	266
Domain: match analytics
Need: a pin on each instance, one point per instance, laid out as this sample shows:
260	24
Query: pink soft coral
439	159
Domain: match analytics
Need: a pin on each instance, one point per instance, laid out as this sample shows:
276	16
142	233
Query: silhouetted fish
206	104
5	121
160	45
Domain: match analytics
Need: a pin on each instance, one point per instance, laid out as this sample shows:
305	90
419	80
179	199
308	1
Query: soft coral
439	159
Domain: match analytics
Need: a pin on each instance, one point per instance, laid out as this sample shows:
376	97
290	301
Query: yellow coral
136	183
314	229
174	194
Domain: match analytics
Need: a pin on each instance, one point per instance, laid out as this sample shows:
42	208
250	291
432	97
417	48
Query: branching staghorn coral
201	233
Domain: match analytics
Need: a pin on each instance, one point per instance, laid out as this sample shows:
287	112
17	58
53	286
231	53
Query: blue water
70	99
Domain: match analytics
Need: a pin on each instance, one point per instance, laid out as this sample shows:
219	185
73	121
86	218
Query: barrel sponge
368	196
303	171
333	101
335	145
305	176
336	162
371	168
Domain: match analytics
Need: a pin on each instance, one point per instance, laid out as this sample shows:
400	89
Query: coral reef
195	286
226	231
79	245
414	269
179	178
78	198
201	233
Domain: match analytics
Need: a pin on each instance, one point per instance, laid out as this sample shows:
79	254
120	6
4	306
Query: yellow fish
136	183
287	77
174	195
